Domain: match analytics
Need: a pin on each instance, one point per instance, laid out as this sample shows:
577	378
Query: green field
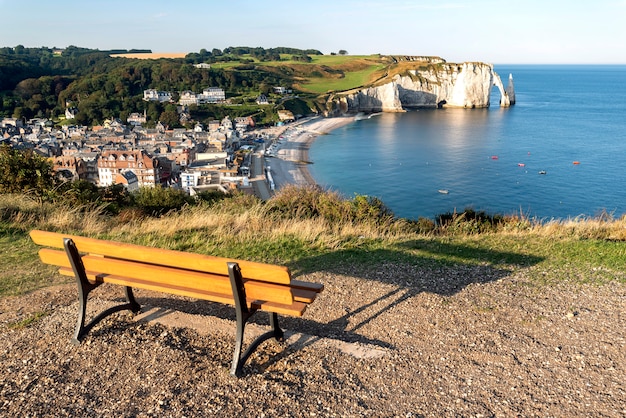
324	73
350	80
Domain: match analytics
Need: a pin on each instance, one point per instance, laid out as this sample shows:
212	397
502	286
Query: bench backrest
174	271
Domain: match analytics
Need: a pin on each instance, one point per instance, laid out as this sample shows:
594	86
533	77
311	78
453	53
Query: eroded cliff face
466	85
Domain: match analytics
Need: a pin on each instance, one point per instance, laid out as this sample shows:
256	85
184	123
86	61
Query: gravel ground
389	341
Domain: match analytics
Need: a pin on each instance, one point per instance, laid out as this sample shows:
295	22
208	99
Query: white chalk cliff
466	85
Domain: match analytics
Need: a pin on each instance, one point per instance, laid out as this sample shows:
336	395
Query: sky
497	32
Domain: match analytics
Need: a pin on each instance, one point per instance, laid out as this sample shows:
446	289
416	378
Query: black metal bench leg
130	298
277	332
243	314
238	360
84	288
83	292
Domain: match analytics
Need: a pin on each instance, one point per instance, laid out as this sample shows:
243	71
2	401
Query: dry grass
247	219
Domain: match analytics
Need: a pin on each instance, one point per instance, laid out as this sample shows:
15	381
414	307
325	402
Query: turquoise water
563	114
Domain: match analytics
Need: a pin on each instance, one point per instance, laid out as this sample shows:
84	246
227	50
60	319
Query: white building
137	119
213	95
153	95
189	180
188	98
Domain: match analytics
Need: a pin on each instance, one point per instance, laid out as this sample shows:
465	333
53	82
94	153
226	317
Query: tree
170	118
343	52
25	172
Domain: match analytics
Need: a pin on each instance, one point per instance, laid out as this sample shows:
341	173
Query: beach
290	163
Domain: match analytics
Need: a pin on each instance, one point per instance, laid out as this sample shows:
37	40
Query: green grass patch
26	322
20	268
350	80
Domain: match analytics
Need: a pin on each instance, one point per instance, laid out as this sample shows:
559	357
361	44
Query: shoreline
289	166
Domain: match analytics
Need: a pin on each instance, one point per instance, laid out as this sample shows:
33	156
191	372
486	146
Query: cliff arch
507	97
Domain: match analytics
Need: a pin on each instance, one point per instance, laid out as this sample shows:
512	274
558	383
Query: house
213	95
188	98
16	123
70	168
189	180
244	123
227	124
282	90
136	119
152	95
182	156
128	179
214	125
203	66
113	162
70	113
262	100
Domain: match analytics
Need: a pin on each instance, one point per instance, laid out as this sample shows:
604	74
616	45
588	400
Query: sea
558	153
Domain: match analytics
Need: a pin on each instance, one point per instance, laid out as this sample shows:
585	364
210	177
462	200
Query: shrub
25	172
157	201
469	222
211	197
313	202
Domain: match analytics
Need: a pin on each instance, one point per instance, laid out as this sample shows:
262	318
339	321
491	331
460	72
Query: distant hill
42	82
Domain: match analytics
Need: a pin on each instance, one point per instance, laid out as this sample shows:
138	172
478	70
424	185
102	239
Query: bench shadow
415	267
412	268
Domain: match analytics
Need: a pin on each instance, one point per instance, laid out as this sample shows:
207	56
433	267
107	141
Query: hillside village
212	157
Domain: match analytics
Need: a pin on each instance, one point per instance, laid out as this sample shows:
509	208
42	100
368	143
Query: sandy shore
290	165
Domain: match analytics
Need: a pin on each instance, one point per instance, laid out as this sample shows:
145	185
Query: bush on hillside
470	221
313	202
25	172
156	201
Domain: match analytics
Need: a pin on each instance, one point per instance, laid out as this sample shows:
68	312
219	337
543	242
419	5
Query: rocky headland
429	84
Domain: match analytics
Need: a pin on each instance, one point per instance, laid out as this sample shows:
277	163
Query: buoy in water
576	162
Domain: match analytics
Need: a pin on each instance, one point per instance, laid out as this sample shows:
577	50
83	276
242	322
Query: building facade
113	162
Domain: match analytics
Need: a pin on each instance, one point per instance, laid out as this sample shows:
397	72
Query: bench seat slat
179	259
172	277
295	309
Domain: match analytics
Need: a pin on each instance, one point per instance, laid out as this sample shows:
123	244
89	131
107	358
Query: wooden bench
249	286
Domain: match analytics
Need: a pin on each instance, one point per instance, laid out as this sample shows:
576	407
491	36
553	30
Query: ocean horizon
559	152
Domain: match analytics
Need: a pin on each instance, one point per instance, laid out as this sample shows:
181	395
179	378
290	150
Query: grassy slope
325	72
568	253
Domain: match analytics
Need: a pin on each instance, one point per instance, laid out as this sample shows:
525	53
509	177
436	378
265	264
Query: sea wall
466	85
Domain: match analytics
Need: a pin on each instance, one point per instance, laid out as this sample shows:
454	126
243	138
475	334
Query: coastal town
223	155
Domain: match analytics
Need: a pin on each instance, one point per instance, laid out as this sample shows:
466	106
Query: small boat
576	162
443	191
542	172
521	165
494	157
